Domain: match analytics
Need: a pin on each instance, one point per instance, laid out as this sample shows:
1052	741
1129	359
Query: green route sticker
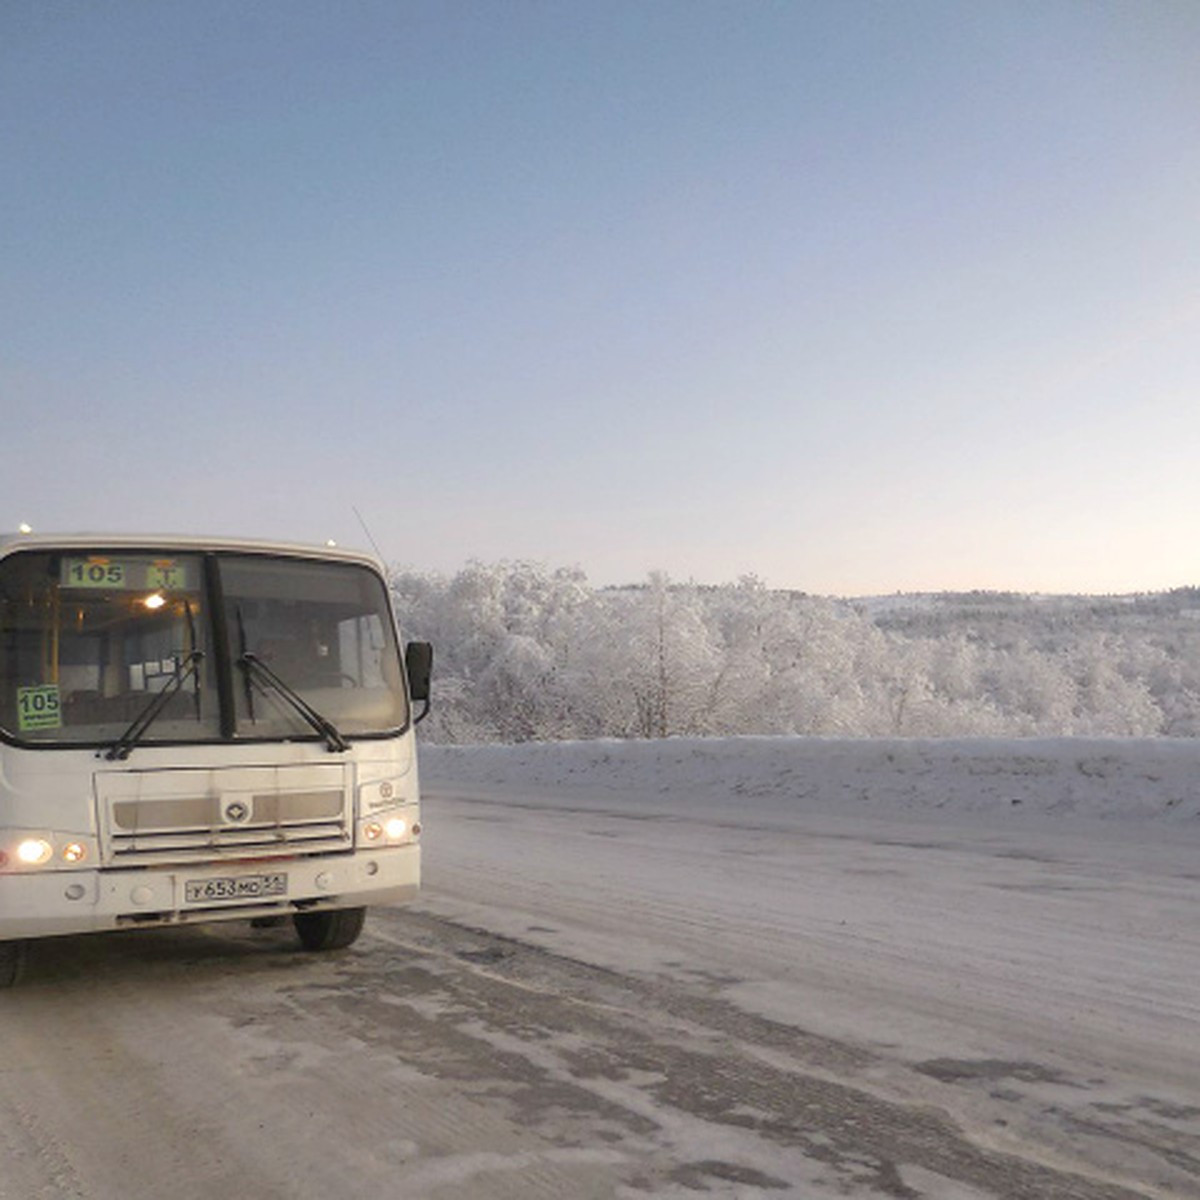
39	708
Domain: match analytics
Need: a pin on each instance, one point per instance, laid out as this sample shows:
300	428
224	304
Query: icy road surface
673	993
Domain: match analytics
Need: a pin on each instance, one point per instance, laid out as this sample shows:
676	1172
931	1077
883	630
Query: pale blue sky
858	297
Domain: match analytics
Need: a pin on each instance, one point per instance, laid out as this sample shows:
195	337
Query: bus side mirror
418	663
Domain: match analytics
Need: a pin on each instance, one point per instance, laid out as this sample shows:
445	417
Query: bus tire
13	956
332	929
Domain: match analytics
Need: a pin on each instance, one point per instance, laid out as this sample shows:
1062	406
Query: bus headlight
34	852
389	831
74	852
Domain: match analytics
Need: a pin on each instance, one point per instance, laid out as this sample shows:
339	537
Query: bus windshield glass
322	631
89	640
94	645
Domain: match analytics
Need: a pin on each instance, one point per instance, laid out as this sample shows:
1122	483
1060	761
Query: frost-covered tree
524	652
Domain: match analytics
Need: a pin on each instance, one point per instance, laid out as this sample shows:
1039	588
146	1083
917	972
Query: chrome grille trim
208	843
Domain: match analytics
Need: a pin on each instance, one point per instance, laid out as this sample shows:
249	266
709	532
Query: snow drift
1106	777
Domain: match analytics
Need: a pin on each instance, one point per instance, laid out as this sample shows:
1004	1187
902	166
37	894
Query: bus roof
11	542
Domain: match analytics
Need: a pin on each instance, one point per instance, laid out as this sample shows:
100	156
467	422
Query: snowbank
1110	777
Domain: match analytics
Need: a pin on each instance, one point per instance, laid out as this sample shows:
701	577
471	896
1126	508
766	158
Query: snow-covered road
709	979
1038	977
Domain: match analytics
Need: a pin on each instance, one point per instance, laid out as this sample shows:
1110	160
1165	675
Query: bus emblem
236	812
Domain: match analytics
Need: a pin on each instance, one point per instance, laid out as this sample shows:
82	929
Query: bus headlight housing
391	830
30	850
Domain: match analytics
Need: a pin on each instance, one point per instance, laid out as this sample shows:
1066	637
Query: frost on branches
529	653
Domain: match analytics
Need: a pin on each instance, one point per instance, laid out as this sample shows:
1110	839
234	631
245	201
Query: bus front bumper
48	903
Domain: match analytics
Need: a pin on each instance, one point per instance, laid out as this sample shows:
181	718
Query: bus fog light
33	852
75	892
74	852
396	828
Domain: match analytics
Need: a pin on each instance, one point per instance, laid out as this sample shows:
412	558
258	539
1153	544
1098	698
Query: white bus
201	730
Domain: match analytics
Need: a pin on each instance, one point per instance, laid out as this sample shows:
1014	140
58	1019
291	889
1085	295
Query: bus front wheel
332	929
13	956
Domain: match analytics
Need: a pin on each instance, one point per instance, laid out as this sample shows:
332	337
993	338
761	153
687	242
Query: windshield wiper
255	667
189	665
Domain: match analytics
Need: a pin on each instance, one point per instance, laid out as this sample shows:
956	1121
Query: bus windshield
125	648
322	630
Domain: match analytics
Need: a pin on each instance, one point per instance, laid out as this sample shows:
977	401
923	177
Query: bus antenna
367	531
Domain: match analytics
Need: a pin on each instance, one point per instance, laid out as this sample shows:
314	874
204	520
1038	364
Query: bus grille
206	827
160	820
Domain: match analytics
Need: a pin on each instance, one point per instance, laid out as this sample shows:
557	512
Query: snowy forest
524	652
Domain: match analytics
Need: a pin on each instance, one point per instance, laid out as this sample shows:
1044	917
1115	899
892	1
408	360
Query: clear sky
857	297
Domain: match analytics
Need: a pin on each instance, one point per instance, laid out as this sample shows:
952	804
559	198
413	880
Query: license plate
235	887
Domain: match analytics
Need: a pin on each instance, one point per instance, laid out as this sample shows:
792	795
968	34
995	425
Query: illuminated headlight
74	852
33	852
388	829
